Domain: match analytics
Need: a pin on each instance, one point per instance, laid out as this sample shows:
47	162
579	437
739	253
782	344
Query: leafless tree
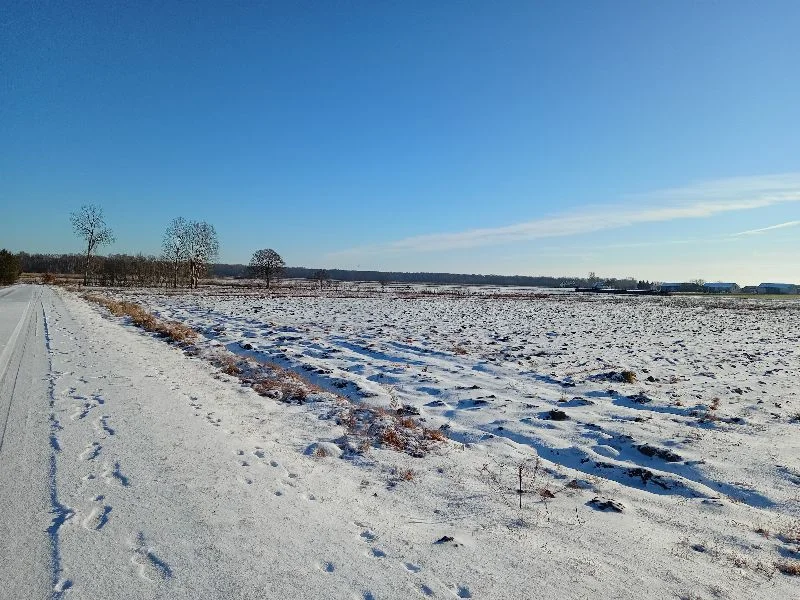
321	276
267	264
89	224
174	245
202	248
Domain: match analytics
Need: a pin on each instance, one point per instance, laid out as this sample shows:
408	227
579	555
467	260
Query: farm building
720	288
750	289
680	287
671	287
777	288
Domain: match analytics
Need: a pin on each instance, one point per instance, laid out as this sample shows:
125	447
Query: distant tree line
188	249
243	271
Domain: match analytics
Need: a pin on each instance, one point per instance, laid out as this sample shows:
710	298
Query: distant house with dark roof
721	288
777	288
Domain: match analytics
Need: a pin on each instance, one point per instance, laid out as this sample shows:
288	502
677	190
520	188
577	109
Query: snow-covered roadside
661	545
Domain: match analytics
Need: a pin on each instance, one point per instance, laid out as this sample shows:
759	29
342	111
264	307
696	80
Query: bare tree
321	276
174	245
267	264
202	248
89	224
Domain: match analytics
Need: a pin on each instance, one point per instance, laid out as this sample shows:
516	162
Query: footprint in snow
377	553
91	452
101	425
81	412
97	518
150	566
369	535
463	591
113	476
412	568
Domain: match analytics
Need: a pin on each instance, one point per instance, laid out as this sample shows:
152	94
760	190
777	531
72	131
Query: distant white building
721	288
777	288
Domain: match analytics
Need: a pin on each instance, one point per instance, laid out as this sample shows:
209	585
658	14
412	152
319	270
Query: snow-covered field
683	412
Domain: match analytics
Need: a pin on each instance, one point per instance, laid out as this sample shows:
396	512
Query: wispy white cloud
702	200
770	228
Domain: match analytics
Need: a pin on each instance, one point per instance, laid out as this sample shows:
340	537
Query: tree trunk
86	273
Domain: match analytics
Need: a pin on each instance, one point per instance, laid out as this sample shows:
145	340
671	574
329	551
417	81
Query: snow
173	480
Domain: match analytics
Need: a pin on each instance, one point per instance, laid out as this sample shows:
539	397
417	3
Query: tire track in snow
5	360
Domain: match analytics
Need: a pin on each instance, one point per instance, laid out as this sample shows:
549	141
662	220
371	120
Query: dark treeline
125	269
111	270
229	270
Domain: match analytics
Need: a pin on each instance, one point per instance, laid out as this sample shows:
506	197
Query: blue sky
627	138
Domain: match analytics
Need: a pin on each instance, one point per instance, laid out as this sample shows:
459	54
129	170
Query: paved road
25	449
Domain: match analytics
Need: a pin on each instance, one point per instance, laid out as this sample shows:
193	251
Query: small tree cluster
9	267
189	247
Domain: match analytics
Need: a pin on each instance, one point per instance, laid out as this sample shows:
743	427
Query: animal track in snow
412	568
463	591
377	553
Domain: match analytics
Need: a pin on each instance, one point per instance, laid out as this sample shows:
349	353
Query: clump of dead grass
789	567
172	330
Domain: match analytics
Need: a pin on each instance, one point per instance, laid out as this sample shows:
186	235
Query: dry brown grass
172	330
392	438
369	424
628	376
460	350
436	435
789	567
